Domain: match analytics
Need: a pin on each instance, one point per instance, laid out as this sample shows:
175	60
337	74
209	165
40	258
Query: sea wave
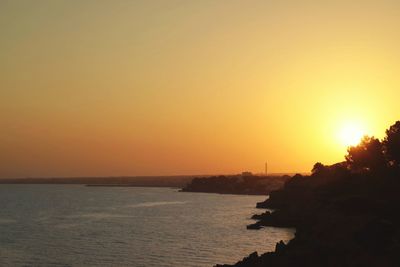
153	204
7	221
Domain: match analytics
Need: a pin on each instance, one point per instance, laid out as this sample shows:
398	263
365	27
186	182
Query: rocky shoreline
346	214
341	219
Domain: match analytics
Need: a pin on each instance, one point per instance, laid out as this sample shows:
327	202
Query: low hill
346	214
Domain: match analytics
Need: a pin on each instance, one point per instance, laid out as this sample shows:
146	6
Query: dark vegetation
346	214
237	184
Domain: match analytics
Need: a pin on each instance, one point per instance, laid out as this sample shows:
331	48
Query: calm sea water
73	225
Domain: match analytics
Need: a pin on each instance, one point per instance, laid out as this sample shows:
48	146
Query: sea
76	225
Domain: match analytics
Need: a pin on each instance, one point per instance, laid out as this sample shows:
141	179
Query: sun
351	134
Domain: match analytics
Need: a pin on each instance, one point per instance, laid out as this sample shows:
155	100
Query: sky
119	88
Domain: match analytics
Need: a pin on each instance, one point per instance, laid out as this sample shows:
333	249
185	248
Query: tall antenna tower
266	168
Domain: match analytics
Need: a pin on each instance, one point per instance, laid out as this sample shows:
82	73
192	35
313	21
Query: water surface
74	225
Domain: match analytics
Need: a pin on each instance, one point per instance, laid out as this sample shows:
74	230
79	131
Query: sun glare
351	134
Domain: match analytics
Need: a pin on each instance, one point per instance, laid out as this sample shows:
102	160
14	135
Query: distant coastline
247	184
183	182
143	181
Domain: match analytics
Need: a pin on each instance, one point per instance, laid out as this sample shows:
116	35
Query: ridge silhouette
345	214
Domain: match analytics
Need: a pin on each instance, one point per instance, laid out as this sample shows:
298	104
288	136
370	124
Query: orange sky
109	88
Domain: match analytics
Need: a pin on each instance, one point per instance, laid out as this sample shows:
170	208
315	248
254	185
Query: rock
251	260
254	226
280	246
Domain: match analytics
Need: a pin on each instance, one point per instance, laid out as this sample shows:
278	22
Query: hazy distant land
237	184
146	181
223	184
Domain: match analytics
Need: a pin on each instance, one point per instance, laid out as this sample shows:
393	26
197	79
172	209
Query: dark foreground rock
341	219
346	214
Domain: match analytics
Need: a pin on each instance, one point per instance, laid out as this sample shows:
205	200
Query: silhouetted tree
392	144
367	156
318	168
